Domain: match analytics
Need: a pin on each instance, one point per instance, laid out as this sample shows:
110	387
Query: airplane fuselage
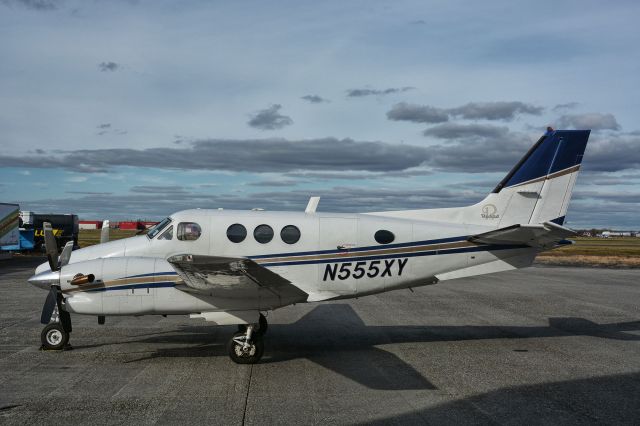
335	256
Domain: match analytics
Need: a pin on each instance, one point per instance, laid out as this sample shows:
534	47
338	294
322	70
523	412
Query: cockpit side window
167	235
153	231
189	231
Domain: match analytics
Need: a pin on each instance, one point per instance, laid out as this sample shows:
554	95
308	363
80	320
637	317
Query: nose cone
44	280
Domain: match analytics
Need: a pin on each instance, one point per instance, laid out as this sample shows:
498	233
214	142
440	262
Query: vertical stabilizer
539	187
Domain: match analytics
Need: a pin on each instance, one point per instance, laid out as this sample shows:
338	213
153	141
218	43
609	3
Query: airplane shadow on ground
19	264
335	337
599	400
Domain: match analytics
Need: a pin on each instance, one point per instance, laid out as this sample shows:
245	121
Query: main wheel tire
54	337
251	354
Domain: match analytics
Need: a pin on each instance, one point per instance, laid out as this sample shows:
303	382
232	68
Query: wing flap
229	277
543	235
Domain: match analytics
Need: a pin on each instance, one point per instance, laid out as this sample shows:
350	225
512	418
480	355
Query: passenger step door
340	236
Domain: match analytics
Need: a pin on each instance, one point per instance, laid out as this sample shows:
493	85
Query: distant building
608	234
90	224
136	224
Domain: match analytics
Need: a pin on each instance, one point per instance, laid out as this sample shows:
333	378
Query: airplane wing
544	235
230	277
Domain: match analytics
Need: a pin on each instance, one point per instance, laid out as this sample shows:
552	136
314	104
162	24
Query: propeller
52	278
104	233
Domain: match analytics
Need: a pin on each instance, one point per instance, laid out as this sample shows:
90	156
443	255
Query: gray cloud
273	183
468	148
609	179
359	175
260	155
417	113
107	128
108	66
563	107
612	153
490	149
457	131
337	199
314	99
626	197
33	4
89	192
585	210
270	119
593	120
505	111
495	110
358	93
497	149
158	189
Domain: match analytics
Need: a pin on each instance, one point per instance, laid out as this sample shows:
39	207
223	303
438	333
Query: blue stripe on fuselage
358	249
134	286
151	274
398	255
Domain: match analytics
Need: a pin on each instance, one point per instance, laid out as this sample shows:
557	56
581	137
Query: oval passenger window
290	234
236	233
384	237
263	234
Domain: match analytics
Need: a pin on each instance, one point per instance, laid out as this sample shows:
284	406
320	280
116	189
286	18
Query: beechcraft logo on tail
489	211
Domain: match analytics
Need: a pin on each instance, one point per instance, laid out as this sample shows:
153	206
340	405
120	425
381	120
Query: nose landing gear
54	337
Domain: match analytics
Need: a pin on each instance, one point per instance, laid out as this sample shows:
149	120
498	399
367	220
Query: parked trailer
65	228
9	222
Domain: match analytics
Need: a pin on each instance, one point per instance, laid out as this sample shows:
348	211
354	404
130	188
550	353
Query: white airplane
227	267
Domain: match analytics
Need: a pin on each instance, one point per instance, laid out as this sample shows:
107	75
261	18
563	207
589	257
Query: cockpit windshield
153	231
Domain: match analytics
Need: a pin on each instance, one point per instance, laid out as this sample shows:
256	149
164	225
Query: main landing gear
246	346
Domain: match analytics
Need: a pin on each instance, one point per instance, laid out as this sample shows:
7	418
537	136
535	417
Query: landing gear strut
246	346
261	328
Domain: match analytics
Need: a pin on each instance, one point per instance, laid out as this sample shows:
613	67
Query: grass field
89	237
585	251
613	252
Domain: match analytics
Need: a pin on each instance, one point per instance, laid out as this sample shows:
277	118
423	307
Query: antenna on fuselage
312	205
104	232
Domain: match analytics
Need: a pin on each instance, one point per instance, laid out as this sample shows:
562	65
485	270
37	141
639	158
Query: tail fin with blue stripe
539	187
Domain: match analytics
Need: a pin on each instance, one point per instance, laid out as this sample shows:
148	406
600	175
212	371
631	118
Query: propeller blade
65	256
104	233
49	306
51	246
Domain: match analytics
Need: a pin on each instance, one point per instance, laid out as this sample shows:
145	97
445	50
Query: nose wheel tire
242	351
54	337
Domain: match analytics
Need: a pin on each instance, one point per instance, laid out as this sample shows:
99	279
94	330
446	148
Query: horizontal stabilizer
544	235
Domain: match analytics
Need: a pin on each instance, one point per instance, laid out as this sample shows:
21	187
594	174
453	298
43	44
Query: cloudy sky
137	109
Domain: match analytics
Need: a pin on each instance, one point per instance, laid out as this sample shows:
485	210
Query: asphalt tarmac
536	346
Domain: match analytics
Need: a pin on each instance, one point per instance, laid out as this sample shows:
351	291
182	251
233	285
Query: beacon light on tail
231	267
